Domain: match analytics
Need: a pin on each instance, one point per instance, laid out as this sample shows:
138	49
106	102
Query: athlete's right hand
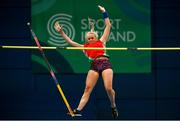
57	27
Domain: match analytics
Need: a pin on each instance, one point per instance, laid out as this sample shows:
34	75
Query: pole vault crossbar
91	48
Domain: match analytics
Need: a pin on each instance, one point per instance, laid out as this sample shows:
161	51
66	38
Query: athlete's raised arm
107	29
68	40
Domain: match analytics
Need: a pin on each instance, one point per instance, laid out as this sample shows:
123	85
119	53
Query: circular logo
55	37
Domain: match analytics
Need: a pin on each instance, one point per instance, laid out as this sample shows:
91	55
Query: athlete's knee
86	93
109	90
87	89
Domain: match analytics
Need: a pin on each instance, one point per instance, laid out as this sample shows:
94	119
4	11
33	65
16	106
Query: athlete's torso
92	54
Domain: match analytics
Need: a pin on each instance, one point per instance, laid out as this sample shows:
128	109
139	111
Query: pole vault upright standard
51	71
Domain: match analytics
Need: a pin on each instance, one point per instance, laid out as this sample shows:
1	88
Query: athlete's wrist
105	14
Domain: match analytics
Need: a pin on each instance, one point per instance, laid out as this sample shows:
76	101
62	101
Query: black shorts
99	65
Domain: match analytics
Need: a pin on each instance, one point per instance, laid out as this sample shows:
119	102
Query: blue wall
24	95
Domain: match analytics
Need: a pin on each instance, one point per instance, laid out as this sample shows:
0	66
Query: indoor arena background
28	95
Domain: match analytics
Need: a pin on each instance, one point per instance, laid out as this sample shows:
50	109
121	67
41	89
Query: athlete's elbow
108	25
72	44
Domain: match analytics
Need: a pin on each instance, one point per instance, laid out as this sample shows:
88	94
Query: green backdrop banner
131	27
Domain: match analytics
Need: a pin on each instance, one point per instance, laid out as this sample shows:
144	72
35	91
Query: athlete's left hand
101	8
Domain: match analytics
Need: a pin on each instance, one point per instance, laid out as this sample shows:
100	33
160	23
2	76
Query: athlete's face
91	37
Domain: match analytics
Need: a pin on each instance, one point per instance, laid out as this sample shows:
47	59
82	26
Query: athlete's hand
102	9
57	27
91	23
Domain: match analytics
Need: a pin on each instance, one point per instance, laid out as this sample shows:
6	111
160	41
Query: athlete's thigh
107	76
91	79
